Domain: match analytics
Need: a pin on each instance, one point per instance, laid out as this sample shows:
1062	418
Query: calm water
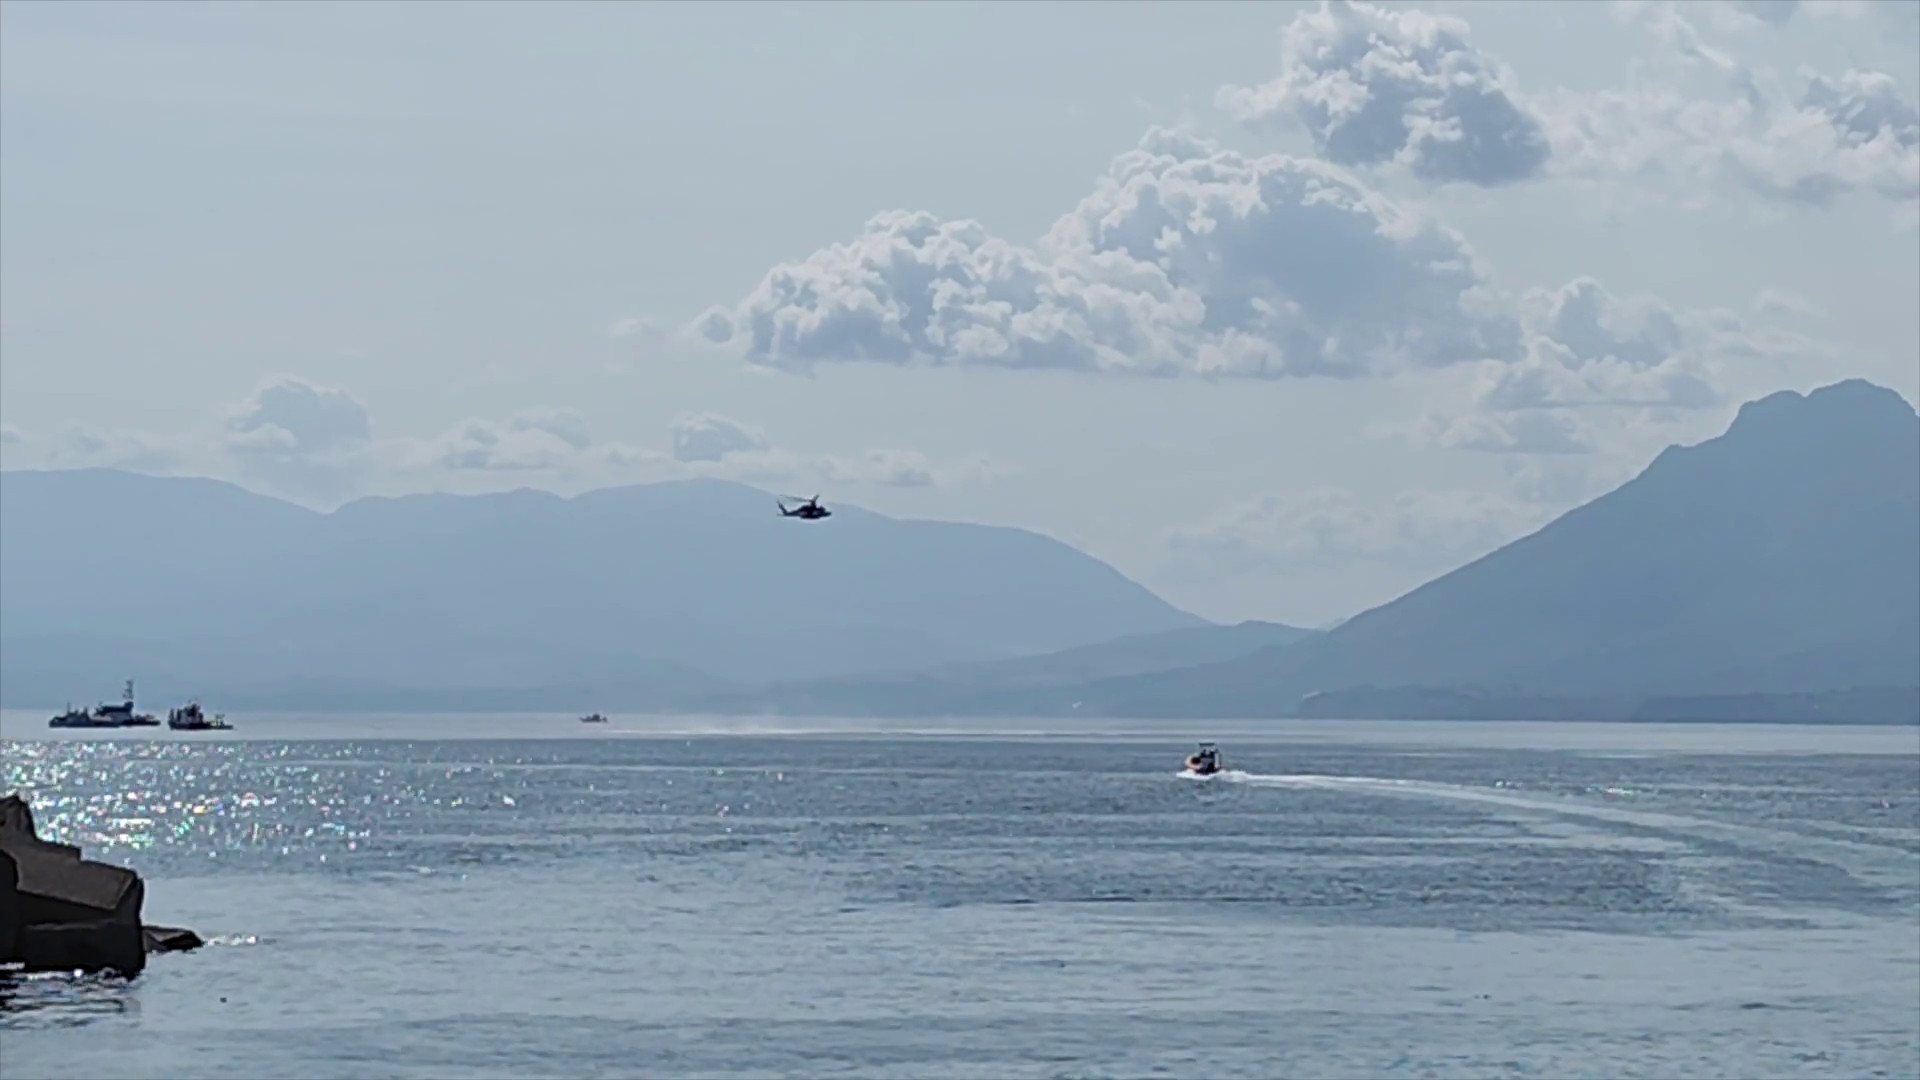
521	897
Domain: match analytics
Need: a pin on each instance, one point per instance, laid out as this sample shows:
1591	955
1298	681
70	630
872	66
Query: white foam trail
1224	775
1872	863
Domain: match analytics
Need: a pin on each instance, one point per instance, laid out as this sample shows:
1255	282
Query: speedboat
593	718
1204	761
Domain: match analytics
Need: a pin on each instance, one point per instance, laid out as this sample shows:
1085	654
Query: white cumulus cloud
1807	140
1373	86
1408	90
289	417
1590	354
1186	259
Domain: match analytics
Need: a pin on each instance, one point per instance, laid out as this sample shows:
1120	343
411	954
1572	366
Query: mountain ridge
1792	535
1771	568
524	586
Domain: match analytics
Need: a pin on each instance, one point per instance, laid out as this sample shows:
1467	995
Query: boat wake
1868	862
1223	776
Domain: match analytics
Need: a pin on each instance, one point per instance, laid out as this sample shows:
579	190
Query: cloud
1186	259
714	325
563	424
289	418
1595	349
1552	376
1588	352
711	437
316	444
1373	86
717	445
703	444
1853	132
539	439
1563	482
1535	432
1777	13
878	468
560	443
1318	527
1407	90
300	438
78	447
1594	326
1865	107
1772	12
1673	29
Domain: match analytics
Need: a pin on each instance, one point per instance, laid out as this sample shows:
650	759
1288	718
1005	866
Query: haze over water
528	896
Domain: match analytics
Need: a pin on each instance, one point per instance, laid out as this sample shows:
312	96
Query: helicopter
808	510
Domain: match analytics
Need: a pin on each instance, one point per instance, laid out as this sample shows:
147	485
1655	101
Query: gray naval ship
106	715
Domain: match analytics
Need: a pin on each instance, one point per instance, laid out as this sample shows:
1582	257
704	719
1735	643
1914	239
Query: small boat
190	718
1204	761
593	718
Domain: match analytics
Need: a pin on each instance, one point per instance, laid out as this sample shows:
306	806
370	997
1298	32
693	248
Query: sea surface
534	897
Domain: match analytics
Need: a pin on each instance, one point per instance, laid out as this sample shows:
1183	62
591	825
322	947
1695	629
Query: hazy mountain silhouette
987	688
1781	557
198	585
1770	573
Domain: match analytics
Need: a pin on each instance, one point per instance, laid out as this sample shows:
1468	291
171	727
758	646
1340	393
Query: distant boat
189	718
106	716
1205	761
73	717
593	718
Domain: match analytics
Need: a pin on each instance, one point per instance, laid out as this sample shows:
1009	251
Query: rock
170	939
61	912
10	920
17	817
99	945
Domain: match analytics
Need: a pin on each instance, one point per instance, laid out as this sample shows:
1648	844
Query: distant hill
1770	573
1781	558
986	688
663	590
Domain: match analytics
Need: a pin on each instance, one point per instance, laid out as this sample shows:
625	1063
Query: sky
1282	309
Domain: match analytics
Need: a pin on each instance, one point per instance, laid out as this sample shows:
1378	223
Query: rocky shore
62	912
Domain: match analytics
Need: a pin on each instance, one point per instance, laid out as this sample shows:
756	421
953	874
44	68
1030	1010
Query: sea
530	896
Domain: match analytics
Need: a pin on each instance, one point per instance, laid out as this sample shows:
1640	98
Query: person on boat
1205	761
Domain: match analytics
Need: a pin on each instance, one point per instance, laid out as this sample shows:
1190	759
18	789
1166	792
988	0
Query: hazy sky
1282	309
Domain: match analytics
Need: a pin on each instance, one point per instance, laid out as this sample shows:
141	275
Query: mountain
1131	654
986	688
1780	558
670	589
1772	572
